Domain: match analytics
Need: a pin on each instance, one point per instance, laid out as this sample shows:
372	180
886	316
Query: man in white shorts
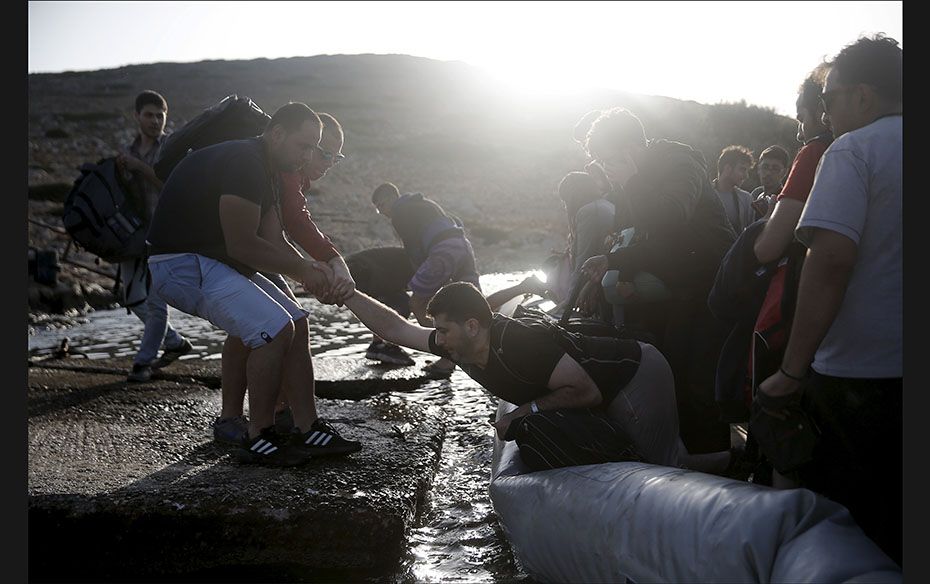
217	224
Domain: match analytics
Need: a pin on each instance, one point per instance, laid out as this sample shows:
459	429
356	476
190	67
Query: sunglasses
331	157
828	97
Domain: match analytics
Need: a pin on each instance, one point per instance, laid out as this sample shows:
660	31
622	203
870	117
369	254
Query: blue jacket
736	297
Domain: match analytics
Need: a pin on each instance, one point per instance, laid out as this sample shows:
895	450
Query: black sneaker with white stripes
271	448
324	440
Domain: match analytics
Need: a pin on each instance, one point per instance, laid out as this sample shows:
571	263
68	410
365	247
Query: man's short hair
775	152
460	301
615	128
733	155
876	61
385	191
292	116
811	88
331	123
578	188
150	97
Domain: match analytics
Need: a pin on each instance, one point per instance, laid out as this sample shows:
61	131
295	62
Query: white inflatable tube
638	522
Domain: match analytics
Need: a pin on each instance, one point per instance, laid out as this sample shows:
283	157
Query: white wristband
533	407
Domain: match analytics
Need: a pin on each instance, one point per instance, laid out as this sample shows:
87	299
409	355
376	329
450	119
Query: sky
710	52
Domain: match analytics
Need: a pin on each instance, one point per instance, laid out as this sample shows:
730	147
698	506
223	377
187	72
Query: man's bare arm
240	220
824	278
343	283
571	387
778	231
387	324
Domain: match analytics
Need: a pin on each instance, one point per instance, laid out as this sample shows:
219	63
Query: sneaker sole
330	451
246	457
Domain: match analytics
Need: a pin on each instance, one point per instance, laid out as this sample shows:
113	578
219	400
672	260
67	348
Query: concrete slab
126	484
337	376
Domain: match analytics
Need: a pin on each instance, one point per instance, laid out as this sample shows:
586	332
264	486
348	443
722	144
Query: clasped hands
330	285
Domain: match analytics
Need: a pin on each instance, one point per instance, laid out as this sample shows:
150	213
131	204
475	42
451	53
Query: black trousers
858	459
691	338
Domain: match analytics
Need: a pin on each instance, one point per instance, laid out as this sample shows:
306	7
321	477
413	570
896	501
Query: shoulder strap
498	353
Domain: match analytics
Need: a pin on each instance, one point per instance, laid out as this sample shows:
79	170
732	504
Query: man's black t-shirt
523	357
187	218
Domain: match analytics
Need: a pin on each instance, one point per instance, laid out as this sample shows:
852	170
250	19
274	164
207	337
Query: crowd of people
660	255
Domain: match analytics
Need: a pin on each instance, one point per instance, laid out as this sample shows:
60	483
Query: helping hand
343	287
317	278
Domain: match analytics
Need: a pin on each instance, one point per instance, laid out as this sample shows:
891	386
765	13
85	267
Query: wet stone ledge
126	484
337	377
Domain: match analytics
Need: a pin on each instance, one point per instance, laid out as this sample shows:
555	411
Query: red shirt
801	177
297	221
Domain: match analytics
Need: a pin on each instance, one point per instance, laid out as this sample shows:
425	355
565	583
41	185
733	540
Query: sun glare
682	50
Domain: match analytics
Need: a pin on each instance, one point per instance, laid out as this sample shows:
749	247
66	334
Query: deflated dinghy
633	521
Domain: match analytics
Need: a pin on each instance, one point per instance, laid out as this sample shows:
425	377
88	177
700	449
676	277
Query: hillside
441	128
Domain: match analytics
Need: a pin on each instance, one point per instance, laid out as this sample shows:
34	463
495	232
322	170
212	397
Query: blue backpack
102	215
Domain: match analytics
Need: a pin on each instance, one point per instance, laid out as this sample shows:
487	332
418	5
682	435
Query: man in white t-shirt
844	356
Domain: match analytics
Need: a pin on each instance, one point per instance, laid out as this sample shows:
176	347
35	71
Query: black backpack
570	437
234	117
102	216
591	327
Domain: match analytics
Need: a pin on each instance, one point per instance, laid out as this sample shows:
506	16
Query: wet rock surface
336	377
126	483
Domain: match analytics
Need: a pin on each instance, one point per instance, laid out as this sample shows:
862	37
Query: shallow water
458	538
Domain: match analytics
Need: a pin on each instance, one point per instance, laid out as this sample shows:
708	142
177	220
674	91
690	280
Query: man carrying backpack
437	247
151	112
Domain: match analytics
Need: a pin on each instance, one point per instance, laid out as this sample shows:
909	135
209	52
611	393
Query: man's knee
301	331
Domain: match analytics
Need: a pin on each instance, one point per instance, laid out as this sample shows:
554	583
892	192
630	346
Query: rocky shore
126	484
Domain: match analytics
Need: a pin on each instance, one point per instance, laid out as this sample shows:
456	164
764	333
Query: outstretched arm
529	285
387	324
343	283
